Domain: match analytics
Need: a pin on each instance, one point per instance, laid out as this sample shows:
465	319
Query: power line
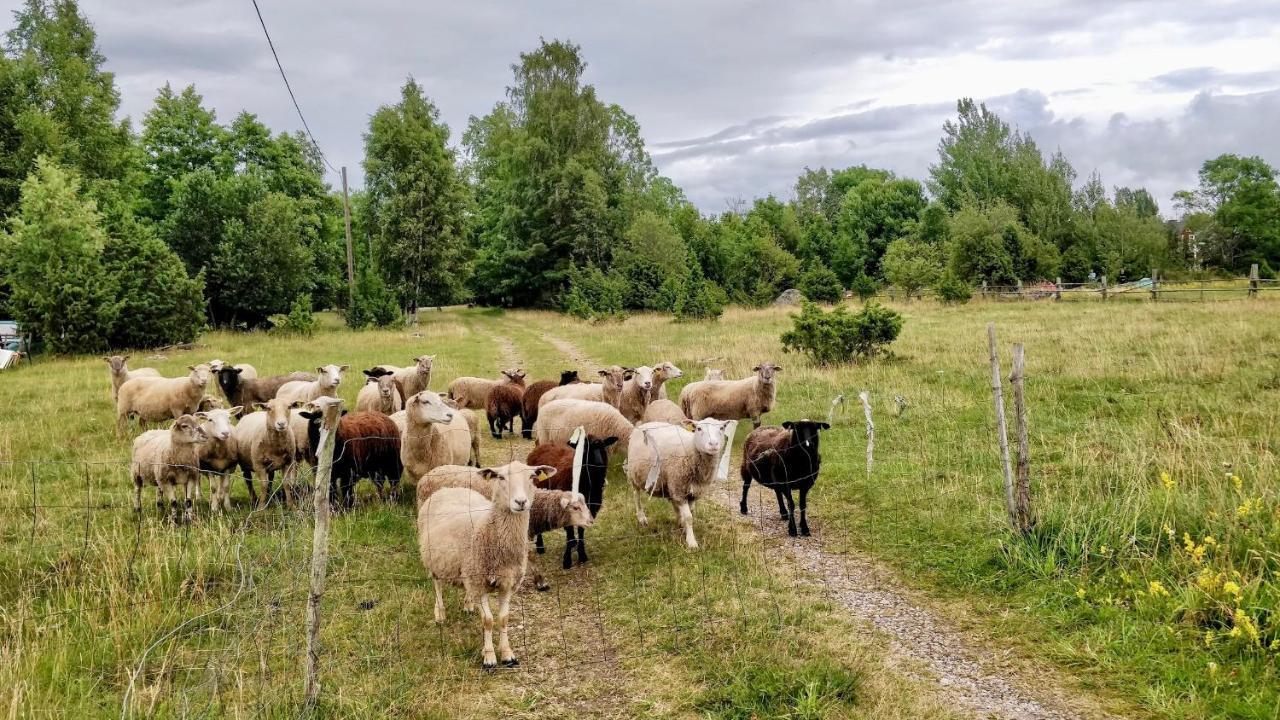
289	87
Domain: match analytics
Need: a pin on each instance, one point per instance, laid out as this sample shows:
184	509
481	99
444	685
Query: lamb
473	392
265	445
663	411
366	444
413	379
247	371
595	465
307	390
683	470
120	372
750	397
167	459
154	399
662	372
218	456
713	374
380	393
558	419
433	434
245	391
534	393
782	458
504	404
466	540
609	391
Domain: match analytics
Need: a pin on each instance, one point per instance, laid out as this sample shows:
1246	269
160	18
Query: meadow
1151	579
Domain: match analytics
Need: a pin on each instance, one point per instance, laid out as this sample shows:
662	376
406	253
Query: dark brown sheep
367	444
503	405
534	393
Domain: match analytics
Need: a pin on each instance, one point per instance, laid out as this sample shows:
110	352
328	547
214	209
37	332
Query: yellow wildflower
1213	668
1210	540
1195	551
1235	480
1156	588
1244	625
1166	480
1208	581
1080	593
1248	508
1231	588
1208	638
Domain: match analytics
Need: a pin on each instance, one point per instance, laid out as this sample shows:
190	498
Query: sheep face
580	515
615	376
709	435
515	375
767	372
667	371
186	430
424	363
386	387
804	434
331	375
277	413
199	375
427	407
513	484
643	376
119	364
217	423
569	377
714	374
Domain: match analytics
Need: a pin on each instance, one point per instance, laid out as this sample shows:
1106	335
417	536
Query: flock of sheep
474	524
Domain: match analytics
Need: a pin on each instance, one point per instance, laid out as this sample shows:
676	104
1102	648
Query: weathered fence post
865	397
1155	284
1253	280
1018	290
1104	288
1057	289
332	408
1002	430
984	289
1021	512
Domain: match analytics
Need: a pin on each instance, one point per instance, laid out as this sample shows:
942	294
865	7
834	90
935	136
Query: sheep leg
804	508
526	427
538	544
782	503
539	581
686	522
495	426
569	541
640	516
439	586
248	483
486	615
504	642
190	488
268	478
137	494
172	497
791	508
582	546
746	485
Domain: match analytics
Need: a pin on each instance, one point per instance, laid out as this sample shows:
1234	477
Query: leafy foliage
594	295
951	290
299	321
840	336
865	287
261	264
821	284
375	304
911	265
157	302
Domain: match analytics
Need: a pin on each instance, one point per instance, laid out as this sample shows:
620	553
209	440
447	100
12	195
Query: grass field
1152	577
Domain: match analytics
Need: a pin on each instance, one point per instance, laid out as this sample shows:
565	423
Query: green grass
207	619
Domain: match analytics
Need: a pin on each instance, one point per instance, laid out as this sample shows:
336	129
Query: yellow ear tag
542	475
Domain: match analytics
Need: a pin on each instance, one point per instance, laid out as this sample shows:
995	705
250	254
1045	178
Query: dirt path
924	644
510	355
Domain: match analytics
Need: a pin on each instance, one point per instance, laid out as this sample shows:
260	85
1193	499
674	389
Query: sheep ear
259	406
491	473
755	369
236	411
777	368
609	441
235	370
545	471
296	404
603	372
565	500
320	369
191	367
343	368
824	426
202	415
688	425
371	373
787	424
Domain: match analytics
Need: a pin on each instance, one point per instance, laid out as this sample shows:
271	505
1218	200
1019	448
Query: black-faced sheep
595	465
534	393
244	391
366	445
782	459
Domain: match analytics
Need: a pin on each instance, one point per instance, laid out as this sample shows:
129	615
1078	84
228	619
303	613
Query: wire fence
1150	289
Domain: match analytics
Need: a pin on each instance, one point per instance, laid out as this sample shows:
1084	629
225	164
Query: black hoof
543	588
804	532
490	668
742	508
541	550
496	436
792	532
511	663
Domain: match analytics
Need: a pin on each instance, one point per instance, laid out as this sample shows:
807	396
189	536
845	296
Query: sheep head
575	504
427	407
186	431
665	371
569	377
199	375
424	363
119	364
766	371
331	375
513	484
217	423
708	435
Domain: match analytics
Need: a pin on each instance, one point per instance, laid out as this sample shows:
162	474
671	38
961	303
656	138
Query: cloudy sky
735	98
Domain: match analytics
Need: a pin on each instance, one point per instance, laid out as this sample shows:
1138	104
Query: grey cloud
1199	78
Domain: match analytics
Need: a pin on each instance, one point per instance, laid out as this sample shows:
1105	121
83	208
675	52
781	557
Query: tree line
124	237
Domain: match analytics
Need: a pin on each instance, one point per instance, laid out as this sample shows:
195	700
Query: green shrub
952	290
840	336
821	284
865	287
158	303
299	321
700	300
594	295
375	303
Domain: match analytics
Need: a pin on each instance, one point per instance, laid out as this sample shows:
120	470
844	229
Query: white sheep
304	391
155	399
413	379
473	392
673	462
482	546
432	434
663	411
247	371
265	446
662	372
609	390
168	459
713	374
749	397
380	393
558	419
637	393
120	372
218	455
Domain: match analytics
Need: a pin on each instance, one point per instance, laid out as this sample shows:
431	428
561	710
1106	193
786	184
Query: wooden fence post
1155	284
984	289
865	397
332	408
1057	289
1104	288
1019	288
1253	280
1002	430
1021	512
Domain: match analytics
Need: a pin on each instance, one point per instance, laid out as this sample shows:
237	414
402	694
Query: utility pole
351	268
